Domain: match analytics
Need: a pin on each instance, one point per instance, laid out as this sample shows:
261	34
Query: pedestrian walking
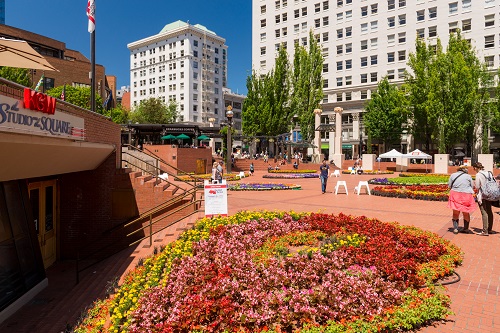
482	177
251	169
461	198
324	170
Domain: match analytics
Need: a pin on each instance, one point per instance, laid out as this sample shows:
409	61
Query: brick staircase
260	165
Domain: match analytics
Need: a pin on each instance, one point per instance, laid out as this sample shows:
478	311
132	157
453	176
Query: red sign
36	101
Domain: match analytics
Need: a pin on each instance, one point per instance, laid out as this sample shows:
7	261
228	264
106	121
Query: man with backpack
487	192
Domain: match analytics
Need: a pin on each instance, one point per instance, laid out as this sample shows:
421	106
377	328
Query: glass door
43	203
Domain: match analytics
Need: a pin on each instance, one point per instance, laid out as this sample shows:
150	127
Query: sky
119	23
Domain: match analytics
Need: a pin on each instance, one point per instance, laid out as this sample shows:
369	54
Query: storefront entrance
43	198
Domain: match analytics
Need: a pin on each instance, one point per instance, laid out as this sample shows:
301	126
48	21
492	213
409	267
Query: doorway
43	198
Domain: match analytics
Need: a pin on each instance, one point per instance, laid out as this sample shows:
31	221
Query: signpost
215	199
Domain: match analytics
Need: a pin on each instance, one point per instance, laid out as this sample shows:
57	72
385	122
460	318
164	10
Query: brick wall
182	158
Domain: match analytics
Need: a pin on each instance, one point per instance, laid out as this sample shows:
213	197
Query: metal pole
151	230
229	150
92	75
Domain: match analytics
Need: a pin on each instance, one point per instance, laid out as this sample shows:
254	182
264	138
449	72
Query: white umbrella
17	53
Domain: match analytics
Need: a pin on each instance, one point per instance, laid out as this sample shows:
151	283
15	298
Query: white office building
185	63
363	41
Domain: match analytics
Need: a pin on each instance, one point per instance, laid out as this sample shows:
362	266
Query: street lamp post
130	132
229	116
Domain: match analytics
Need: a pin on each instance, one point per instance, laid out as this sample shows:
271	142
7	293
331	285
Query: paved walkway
475	299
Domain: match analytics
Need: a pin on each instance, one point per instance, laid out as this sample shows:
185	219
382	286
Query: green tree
119	114
19	75
266	109
450	99
307	85
79	96
386	113
155	111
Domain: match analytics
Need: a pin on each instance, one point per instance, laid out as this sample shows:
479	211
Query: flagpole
92	73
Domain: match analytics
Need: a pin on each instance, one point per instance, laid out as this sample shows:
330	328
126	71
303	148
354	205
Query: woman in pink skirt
461	197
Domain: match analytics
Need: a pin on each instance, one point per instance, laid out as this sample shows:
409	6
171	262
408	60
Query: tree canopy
79	96
154	111
17	75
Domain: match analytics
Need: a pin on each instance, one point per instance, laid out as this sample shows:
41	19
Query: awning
17	53
26	156
346	146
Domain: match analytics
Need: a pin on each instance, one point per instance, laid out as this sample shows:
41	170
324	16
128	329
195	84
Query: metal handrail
158	158
141	217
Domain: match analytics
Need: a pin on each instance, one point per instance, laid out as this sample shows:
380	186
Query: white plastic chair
163	176
353	170
241	174
365	184
335	173
341	183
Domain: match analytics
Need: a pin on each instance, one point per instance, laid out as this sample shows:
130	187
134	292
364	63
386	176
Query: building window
466	4
402	37
340	16
402	55
433	13
263	9
390	57
284	17
453	7
340	65
325	83
373	77
391	4
374	8
277	33
263	37
277	18
489	20
373	60
420	15
348	80
401	73
402	19
433	31
348	14
364	27
263	23
391	39
325	68
374	25
339	82
402	3
364	94
325	21
348	48
325	36
390	74
296	13
348	31
317	7
489	41
263	50
364	45
452	27
466	25
348	96
348	64
391	21
489	61
317	23
364	11
374	43
340	33
339	97
326	4
364	61
340	49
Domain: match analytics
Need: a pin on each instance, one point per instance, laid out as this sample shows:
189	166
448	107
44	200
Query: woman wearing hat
461	198
484	205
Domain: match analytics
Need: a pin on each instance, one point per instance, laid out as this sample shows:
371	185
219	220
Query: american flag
63	94
91	15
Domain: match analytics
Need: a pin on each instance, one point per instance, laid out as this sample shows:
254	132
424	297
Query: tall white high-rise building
363	41
185	63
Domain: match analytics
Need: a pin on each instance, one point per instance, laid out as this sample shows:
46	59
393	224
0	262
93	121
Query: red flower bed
419	192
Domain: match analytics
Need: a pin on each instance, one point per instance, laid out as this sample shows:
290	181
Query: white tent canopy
418	155
391	154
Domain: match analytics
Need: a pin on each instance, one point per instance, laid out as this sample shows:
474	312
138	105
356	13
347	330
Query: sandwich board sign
215	199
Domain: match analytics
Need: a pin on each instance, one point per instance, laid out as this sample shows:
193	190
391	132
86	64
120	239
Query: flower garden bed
208	176
290	175
262	187
292	171
414	180
284	272
418	192
370	172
